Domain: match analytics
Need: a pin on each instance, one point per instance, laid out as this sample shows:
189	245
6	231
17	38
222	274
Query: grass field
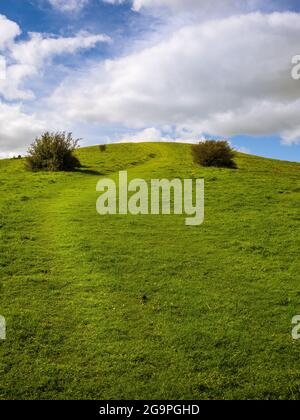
124	307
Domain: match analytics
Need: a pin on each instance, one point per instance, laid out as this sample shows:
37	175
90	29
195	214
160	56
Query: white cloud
42	47
203	7
9	30
224	77
17	129
150	134
28	58
153	134
25	60
68	5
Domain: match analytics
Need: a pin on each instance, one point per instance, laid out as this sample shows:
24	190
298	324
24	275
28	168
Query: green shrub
102	147
53	152
214	153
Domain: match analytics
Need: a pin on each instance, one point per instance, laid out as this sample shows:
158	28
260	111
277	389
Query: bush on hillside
53	152
102	147
214	153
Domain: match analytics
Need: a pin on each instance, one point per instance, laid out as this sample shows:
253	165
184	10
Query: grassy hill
124	307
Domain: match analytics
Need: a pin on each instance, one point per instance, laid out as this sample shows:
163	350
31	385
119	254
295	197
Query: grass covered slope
216	321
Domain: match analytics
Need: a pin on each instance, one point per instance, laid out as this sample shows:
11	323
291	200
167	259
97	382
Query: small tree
102	148
214	153
53	152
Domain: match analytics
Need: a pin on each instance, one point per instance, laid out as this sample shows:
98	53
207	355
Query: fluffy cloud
28	60
29	57
153	134
40	47
17	129
8	31
204	7
225	77
68	5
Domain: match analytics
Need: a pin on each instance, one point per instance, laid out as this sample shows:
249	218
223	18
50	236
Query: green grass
220	297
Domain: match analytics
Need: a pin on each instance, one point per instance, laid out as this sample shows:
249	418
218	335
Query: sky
152	70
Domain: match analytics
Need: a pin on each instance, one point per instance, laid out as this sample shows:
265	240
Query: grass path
215	322
79	301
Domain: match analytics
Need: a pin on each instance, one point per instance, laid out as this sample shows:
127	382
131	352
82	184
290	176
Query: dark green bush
102	147
214	153
53	152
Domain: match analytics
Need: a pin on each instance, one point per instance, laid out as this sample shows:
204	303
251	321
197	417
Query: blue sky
153	70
